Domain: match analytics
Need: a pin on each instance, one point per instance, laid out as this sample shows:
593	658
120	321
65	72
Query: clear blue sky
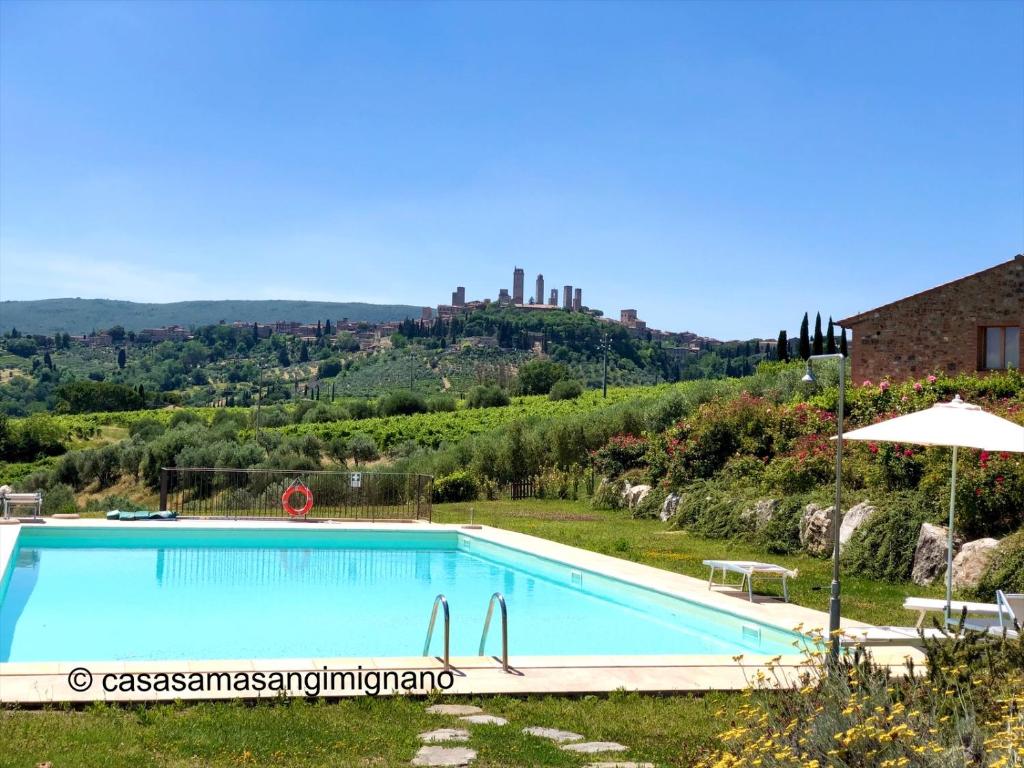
720	167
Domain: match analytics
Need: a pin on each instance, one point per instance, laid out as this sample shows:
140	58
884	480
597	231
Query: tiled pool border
44	682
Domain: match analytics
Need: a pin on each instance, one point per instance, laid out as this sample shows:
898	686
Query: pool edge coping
549	674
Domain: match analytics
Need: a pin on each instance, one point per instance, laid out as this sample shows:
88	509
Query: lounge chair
1003	617
748	569
1007	612
881	636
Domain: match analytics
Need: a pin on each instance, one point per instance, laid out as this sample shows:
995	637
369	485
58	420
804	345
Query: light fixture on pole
837	512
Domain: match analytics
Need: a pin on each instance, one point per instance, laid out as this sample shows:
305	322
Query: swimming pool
141	593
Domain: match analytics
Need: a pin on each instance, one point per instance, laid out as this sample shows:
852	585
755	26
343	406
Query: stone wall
936	331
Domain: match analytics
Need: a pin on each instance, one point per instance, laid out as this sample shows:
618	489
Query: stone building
518	277
538	295
553	298
969	325
577	300
567	297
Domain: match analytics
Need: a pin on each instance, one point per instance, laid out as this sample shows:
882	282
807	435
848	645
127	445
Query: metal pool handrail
442	600
504	628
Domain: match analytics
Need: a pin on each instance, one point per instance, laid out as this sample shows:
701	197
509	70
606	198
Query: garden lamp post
833	603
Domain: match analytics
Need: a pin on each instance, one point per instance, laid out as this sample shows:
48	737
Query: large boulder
634	494
853	519
971	561
761	513
815	529
669	507
930	554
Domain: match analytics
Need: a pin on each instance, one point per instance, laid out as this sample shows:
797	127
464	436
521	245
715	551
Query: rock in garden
971	561
930	554
853	519
552	733
454	709
448	756
635	494
445	734
593	747
815	529
669	507
761	513
484	720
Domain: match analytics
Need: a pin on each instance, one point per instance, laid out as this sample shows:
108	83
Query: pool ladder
442	601
504	628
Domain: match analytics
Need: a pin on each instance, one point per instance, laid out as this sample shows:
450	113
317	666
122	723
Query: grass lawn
666	730
371	732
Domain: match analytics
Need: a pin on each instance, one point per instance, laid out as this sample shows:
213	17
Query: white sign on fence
355	479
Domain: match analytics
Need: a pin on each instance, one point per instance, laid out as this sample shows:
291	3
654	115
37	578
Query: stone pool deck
45	682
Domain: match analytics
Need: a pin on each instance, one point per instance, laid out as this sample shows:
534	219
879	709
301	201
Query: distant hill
77	316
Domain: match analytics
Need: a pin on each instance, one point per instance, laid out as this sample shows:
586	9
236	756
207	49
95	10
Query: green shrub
441	404
608	495
401	403
59	499
363	448
566	389
559	484
650	506
619	454
537	377
1006	569
458	486
883	547
486	396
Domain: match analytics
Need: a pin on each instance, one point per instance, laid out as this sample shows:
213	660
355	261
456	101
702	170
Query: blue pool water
134	593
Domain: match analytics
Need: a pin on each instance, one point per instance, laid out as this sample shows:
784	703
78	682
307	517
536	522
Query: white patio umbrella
956	424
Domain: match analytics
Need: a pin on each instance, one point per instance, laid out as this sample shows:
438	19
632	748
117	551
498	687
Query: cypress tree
121	358
319	330
830	338
818	345
303	353
327	328
782	347
142	395
805	341
255	331
842	343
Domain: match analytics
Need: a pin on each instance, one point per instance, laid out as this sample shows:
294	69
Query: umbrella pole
949	541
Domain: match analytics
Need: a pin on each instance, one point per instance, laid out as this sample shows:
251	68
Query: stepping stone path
552	733
444	756
593	747
454	709
445	734
460	757
484	720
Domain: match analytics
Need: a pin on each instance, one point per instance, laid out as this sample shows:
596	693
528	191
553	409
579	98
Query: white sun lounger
981	617
875	636
996	618
925	605
748	569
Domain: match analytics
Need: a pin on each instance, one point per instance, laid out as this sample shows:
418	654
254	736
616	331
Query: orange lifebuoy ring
297	487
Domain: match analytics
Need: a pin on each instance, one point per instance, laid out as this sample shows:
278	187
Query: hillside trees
92	396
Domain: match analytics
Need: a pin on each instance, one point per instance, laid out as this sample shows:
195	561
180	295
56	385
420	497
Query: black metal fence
256	493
